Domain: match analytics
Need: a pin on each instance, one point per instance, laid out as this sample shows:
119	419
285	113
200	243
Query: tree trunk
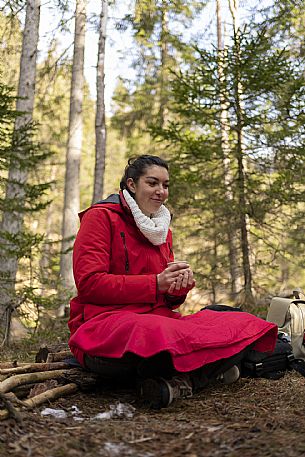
213	274
226	161
71	199
241	176
164	63
243	217
12	221
100	118
45	257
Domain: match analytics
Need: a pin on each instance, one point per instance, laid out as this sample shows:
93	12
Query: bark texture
247	298
100	117
164	64
12	221
226	160
73	156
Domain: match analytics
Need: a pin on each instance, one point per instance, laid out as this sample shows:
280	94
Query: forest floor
251	418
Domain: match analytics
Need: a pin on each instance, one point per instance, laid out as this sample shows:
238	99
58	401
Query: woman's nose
160	189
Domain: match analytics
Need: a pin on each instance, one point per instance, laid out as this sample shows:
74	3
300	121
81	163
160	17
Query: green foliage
25	241
268	82
115	162
10	50
52	113
19	150
160	45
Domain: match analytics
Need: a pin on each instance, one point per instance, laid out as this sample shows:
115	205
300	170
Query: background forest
216	88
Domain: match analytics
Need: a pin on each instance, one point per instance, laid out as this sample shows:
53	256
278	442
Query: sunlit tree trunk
241	175
12	221
225	146
164	63
73	155
100	118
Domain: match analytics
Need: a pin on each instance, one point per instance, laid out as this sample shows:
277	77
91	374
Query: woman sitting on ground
122	321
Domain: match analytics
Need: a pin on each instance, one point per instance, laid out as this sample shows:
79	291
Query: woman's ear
131	185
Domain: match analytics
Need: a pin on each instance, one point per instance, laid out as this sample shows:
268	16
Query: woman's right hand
183	284
171	275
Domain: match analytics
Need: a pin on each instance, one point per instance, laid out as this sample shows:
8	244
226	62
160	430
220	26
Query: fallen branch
34	367
10	396
4	414
31	403
19	379
51	394
38	382
13	364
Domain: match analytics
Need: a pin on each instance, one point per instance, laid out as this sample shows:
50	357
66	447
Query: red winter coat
118	308
115	266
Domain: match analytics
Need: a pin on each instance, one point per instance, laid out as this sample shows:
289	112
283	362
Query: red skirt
192	341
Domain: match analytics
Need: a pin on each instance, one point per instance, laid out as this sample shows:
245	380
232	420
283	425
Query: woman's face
151	189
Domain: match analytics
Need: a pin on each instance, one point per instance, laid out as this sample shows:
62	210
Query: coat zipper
126	252
170	249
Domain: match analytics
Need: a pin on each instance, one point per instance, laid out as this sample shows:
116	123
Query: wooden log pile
23	386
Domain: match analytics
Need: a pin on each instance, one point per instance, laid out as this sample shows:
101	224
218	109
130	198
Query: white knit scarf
155	229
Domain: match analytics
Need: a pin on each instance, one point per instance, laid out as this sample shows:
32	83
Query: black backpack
269	365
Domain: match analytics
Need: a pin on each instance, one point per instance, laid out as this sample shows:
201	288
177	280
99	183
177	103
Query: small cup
177	261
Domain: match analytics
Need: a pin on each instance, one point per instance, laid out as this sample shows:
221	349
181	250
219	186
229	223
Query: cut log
58	356
44	351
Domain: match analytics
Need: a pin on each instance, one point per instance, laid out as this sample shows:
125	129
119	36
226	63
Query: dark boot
159	392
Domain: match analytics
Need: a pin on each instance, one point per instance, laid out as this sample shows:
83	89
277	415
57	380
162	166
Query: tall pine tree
264	91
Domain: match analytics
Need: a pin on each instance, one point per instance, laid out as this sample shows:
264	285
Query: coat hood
114	202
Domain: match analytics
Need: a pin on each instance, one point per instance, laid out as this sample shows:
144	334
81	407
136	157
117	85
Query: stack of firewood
24	386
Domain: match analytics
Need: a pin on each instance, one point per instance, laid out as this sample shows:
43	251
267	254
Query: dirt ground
251	418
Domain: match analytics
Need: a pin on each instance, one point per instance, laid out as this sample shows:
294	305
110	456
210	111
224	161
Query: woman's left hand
182	284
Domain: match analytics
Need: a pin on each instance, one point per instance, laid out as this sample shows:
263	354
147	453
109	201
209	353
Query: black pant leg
209	373
122	369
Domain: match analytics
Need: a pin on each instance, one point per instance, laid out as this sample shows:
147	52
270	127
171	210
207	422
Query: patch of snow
118	449
117	410
75	410
78	418
57	413
103	416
